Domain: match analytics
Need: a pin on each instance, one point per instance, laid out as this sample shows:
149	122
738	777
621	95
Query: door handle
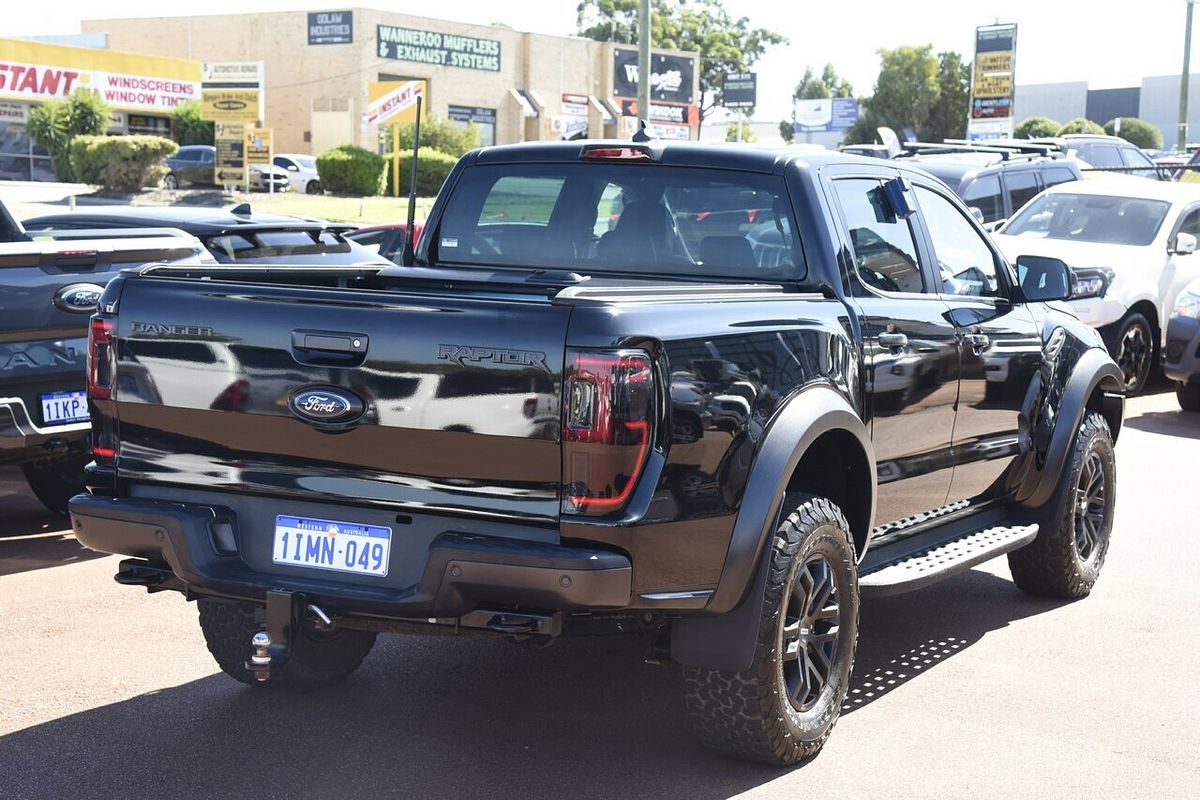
977	341
329	348
893	341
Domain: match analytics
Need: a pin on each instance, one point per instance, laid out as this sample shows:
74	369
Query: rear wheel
1188	395
312	187
54	482
171	183
783	708
1066	557
318	658
1131	344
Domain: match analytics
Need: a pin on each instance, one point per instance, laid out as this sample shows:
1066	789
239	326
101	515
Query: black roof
192	219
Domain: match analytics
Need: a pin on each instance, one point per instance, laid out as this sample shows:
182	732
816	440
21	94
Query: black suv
996	180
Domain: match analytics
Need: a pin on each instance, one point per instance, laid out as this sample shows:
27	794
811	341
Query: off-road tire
318	659
55	482
748	714
1052	564
1188	395
1136	376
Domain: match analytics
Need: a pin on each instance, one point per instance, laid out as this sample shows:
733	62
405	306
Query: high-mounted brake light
100	358
616	154
608	428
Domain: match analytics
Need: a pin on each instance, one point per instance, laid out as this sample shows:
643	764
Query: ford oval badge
325	404
79	298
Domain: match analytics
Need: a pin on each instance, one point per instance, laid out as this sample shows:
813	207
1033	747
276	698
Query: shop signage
231	91
331	27
992	82
671	76
825	114
14	112
259	149
240	74
45	82
676	113
394	102
432	47
480	116
230	164
575	105
229	105
739	90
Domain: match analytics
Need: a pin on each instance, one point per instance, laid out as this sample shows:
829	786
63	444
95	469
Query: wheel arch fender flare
724	636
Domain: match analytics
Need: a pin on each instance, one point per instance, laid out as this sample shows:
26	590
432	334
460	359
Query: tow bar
273	646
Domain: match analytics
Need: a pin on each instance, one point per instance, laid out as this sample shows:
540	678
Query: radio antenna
407	257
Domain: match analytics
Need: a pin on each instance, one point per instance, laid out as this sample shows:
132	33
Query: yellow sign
258	146
229	105
993	74
993	85
394	102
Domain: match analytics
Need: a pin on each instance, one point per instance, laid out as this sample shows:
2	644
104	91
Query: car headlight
1090	282
1188	305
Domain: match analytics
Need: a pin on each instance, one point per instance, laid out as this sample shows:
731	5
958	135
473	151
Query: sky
1079	41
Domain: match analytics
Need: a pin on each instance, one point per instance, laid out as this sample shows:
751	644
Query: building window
484	119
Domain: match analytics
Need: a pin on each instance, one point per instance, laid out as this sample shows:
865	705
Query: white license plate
61	408
337	546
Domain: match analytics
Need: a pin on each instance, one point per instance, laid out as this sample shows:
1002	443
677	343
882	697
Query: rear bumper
1181	356
21	440
462	572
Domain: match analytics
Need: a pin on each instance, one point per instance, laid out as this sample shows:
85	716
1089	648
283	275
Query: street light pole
1183	79
644	62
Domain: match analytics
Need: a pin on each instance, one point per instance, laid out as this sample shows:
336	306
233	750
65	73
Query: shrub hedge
1137	131
1037	128
121	163
351	170
432	169
1080	125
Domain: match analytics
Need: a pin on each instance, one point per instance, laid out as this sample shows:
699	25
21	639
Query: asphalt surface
969	688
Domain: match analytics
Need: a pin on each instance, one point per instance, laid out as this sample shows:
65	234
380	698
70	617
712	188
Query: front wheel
171	183
1188	395
1065	558
783	708
313	187
318	658
1130	342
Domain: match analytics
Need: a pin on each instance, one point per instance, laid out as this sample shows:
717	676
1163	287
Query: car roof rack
1007	150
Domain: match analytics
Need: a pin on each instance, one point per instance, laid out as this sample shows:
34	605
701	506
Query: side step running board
932	564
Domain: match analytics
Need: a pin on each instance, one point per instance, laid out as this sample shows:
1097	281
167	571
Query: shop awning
525	101
606	111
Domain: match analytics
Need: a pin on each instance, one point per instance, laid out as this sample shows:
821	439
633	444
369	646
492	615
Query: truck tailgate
431	402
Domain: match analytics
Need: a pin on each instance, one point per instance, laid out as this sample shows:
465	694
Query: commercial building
141	89
514	86
1156	100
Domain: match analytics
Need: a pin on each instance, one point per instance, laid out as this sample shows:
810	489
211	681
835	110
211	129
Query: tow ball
272	647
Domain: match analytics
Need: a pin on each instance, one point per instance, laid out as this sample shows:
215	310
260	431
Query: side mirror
994	226
1185	243
1043	279
977	213
293	168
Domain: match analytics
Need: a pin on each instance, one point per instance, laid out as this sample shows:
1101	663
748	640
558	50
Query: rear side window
984	194
885	250
621	217
1104	155
1056	175
1022	187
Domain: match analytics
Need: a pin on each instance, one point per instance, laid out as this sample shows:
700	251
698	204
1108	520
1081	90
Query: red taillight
100	358
608	416
616	154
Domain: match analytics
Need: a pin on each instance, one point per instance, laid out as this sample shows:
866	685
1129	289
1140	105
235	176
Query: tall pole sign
992	83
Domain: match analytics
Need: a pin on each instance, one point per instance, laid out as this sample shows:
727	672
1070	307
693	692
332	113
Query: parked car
354	497
387	239
1107	153
192	165
48	289
301	171
269	178
996	181
1181	359
1130	247
233	235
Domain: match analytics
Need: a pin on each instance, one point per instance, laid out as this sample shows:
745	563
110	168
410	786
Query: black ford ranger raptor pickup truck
716	394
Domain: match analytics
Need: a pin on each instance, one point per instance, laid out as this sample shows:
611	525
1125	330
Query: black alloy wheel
1091	506
809	634
1133	351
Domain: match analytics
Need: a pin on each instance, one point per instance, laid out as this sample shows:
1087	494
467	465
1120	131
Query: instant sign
393	102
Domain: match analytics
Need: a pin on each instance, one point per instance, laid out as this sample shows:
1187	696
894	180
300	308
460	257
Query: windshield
288	247
307	163
614	217
1091	218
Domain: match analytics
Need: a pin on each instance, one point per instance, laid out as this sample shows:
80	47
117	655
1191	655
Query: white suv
1131	249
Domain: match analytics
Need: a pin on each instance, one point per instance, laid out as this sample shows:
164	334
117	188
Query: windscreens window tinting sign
442	49
331	27
671	77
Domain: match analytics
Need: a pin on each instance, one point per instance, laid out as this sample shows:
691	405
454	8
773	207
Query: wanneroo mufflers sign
444	49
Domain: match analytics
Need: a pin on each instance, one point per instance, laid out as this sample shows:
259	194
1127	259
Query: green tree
725	44
1036	128
1080	125
787	130
748	134
188	128
442	135
1136	131
829	84
948	118
55	124
907	89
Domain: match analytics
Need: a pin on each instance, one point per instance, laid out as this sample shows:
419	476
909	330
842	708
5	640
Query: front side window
618	217
1104	155
1053	176
984	194
1136	158
885	250
1102	219
966	265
